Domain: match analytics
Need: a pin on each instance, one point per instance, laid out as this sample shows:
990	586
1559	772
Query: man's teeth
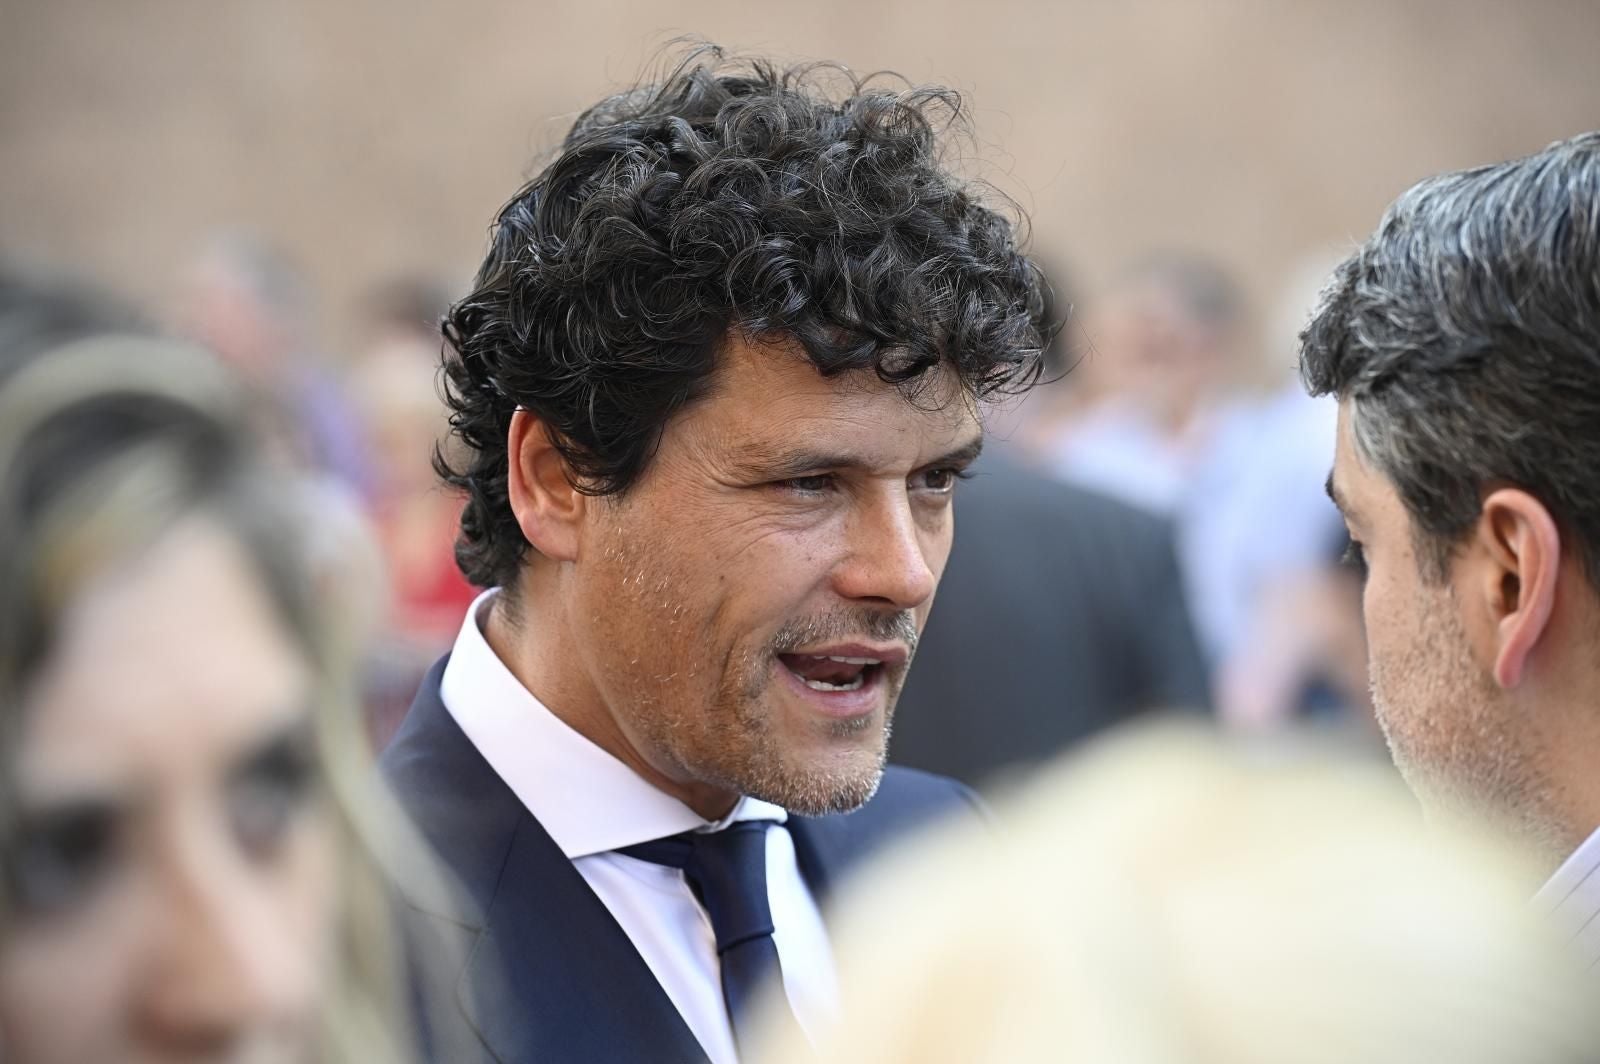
853	685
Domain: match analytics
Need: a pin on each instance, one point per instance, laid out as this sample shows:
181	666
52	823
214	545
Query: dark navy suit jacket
549	974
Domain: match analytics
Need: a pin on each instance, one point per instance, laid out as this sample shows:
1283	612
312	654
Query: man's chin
838	786
813	797
815	764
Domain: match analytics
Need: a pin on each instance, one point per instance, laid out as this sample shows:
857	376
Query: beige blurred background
369	138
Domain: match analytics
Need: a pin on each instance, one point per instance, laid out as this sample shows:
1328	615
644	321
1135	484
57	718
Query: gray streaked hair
1465	337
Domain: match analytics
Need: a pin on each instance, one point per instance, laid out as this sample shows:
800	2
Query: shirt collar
586	799
1572	898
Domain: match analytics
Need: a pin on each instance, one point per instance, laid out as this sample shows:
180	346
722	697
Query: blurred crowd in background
1174	548
234	172
1146	533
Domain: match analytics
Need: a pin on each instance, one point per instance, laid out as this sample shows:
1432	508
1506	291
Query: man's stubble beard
755	763
731	742
1452	739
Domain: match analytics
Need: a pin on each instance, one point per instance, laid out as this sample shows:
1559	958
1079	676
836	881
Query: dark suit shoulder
908	800
460	806
1101	517
909	797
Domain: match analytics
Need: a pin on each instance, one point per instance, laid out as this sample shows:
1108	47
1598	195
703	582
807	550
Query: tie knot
727	870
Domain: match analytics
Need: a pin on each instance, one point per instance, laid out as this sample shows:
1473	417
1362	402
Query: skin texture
784	511
1483	676
203	933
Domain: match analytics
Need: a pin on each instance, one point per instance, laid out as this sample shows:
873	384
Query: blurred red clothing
429	596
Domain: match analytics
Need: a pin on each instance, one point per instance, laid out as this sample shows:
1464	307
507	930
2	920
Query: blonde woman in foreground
188	848
1162	900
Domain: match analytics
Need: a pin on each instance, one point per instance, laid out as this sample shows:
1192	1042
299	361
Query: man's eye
808	485
941	481
1355	558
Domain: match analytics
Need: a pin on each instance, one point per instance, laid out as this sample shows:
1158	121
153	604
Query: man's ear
1522	546
547	507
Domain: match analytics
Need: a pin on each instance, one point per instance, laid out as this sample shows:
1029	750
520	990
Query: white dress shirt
591	804
1572	899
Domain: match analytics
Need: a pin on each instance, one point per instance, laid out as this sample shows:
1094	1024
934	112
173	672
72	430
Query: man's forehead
902	436
768	397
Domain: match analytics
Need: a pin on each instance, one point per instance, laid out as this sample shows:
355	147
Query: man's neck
538	651
1570	726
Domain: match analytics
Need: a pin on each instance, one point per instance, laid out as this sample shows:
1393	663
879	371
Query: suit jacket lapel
827	847
551	975
554	977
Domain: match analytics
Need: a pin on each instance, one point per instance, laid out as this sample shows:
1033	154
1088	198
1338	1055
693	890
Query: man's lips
845	679
888	655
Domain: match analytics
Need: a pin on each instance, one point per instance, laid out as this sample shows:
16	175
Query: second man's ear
1522	546
548	508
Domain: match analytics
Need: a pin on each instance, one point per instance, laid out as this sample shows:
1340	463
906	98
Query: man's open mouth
831	673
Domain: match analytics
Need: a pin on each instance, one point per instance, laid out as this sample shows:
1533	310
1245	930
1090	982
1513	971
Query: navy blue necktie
727	870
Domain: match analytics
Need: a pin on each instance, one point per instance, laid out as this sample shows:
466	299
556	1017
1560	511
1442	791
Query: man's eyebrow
1338	497
963	455
781	465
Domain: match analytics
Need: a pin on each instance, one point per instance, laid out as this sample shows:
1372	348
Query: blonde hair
1164	900
183	448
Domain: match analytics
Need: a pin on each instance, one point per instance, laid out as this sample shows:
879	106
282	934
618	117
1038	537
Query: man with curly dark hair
715	385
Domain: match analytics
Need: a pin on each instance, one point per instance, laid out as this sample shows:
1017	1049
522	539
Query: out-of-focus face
1149	349
751	604
172	885
216	307
402	415
1453	733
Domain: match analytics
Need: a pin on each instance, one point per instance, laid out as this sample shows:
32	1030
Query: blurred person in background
1158	414
416	517
1300	647
40	310
405	307
1460	340
187	862
1161	899
1136	415
1061	613
245	301
715	383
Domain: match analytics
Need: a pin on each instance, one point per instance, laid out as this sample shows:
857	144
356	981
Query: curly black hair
726	197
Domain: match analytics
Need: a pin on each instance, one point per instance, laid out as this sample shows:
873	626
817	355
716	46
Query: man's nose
888	555
228	964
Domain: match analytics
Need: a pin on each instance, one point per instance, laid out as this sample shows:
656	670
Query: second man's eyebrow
1338	497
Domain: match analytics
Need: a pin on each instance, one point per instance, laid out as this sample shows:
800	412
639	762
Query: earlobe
548	508
1524	550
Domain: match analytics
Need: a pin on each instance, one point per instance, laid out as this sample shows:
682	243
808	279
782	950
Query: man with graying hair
1463	343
